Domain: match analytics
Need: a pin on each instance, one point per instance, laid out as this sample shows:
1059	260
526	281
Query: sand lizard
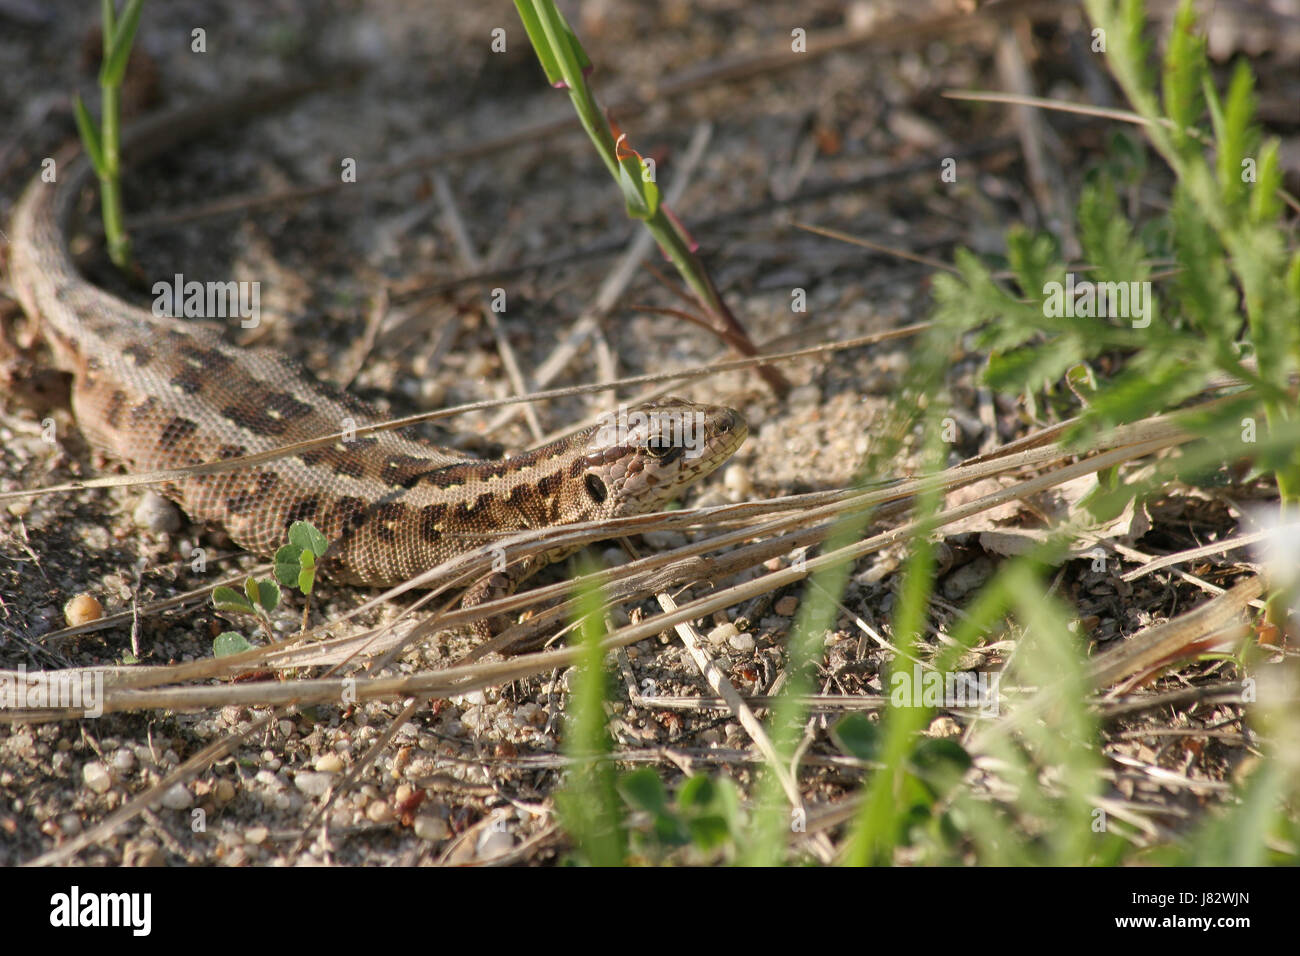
156	393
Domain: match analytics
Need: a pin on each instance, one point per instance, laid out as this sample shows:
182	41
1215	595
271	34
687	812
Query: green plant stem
110	182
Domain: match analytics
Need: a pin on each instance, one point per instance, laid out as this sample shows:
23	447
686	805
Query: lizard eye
596	488
666	453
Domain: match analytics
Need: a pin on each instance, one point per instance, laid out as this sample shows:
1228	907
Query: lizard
155	392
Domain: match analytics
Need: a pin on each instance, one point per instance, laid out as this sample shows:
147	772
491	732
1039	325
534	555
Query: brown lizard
157	393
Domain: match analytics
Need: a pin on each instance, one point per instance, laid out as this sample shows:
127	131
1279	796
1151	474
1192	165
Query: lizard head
640	457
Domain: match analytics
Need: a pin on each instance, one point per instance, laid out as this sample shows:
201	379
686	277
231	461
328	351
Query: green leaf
119	51
287	564
268	595
89	136
709	832
643	790
1265	203
696	793
228	599
1236	139
641	197
307	576
305	536
1035	259
536	15
228	643
1184	71
857	736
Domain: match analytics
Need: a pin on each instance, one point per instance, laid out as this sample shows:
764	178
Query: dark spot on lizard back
140	355
244	500
386	516
348	513
349	468
304	509
431	517
254	419
549	484
176	431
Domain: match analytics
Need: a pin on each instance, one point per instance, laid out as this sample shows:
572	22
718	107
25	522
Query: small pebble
82	609
430	828
123	761
256	835
312	783
224	791
379	812
738	484
722	634
786	606
178	797
157	514
96	776
742	642
329	763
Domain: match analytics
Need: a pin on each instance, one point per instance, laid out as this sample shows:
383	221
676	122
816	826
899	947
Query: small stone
786	606
82	609
379	812
70	824
742	642
256	835
722	634
312	783
739	486
123	761
96	776
430	828
178	797
224	791
157	514
329	763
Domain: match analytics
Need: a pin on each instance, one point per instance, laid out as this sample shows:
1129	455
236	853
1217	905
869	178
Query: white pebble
737	482
312	783
96	776
742	642
430	828
123	761
722	634
157	514
178	797
329	763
